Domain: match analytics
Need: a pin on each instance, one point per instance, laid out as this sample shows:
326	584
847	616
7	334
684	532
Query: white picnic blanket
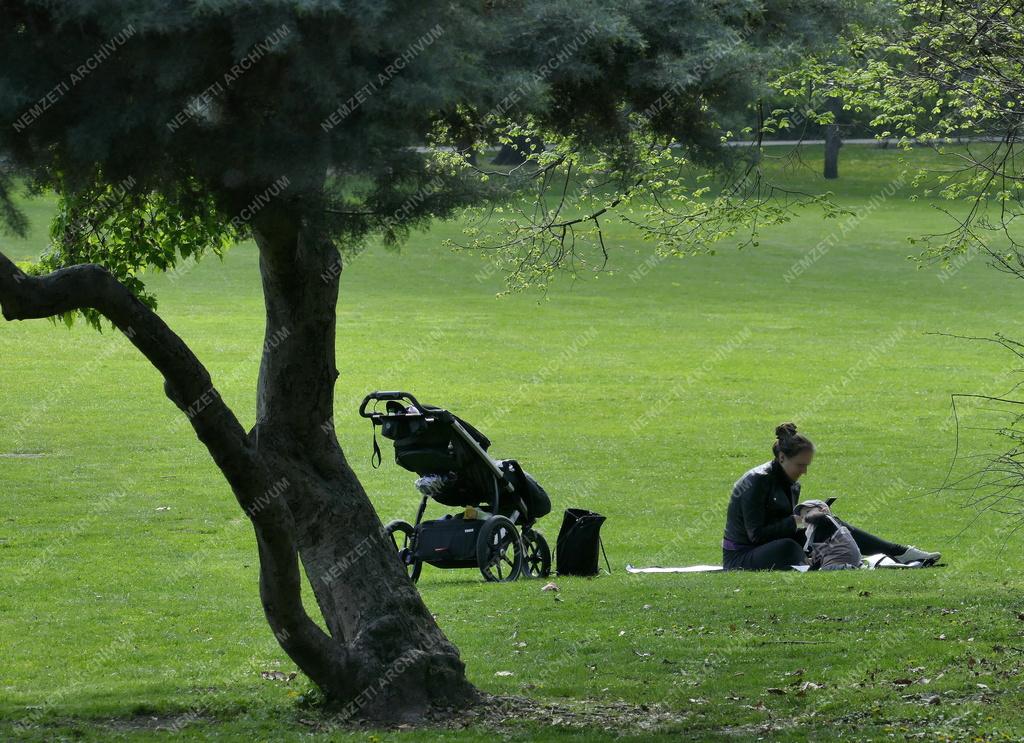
868	562
688	569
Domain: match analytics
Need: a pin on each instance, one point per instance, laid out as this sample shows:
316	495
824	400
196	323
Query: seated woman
761	531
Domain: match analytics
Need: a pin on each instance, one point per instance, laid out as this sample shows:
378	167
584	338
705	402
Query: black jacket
761	506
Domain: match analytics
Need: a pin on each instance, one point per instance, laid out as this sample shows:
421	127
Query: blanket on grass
868	562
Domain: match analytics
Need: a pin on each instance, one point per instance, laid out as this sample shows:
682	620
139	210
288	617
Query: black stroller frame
455	469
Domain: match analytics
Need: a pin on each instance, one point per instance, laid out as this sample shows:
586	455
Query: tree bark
384	657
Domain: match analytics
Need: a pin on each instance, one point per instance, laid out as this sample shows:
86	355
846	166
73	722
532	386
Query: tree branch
188	385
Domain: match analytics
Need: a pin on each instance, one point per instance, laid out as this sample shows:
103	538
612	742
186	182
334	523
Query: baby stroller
502	502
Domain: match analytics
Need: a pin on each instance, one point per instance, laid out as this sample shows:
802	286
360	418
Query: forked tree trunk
369	604
383	657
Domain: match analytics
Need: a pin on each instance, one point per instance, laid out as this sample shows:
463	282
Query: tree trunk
833	141
402	660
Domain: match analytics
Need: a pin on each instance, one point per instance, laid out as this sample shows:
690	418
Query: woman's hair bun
785	430
789	442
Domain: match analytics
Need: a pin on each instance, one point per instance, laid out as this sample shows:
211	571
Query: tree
820	104
171	130
951	70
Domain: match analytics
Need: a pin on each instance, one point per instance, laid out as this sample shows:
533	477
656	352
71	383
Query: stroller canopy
428	441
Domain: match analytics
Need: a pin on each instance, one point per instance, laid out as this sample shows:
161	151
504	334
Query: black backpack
579	541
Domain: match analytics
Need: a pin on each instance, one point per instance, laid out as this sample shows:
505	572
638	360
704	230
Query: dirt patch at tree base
499	713
496	714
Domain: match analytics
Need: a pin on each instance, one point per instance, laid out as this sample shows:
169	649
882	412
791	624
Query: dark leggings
780	554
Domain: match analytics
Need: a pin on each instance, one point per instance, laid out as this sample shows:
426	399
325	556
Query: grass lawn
128	586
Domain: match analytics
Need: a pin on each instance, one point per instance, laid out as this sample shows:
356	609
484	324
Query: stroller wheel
538	554
499	550
403	536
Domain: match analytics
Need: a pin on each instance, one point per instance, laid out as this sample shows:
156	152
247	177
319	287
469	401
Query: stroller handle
387	396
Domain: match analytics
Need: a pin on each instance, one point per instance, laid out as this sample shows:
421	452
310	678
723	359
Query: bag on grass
579	541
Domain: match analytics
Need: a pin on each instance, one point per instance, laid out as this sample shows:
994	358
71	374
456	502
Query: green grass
128	587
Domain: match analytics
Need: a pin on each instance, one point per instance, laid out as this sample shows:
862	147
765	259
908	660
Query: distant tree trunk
518	152
833	141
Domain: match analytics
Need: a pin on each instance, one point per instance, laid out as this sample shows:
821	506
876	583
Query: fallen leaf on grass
503	673
278	675
776	690
550	587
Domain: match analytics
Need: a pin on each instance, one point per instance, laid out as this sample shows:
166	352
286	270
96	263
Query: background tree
172	129
812	106
945	71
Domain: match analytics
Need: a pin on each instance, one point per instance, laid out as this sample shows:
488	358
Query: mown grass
128	598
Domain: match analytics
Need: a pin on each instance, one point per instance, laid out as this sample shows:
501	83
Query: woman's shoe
913	554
